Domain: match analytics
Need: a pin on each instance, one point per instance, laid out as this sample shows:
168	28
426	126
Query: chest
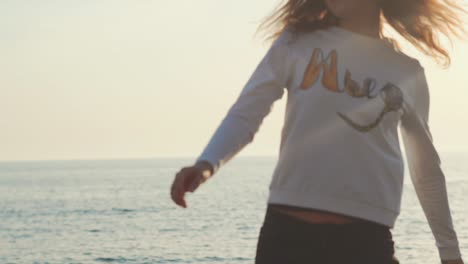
360	91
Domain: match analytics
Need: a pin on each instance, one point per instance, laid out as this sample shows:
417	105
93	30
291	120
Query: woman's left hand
453	261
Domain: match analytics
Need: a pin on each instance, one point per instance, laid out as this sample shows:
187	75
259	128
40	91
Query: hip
285	239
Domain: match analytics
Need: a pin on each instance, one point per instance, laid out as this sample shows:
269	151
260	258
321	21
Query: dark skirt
288	240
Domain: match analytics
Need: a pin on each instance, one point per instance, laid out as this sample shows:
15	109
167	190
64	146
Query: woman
336	190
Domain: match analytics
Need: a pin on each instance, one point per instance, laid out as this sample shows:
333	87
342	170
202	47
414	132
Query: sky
110	79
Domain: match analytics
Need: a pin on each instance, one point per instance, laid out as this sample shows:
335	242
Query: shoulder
285	37
409	69
418	84
410	64
414	71
296	42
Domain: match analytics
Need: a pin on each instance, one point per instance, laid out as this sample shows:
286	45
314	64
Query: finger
192	180
179	193
180	200
190	183
172	191
174	188
195	183
175	193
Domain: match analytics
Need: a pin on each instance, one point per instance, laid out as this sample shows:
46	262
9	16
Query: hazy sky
127	79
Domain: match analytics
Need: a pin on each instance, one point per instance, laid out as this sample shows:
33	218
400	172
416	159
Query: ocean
120	211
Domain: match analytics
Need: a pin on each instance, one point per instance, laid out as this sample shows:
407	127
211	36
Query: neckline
380	41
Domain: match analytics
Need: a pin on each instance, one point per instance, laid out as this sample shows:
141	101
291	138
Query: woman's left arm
425	169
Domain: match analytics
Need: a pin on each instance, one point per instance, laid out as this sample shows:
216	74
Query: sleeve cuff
212	161
447	253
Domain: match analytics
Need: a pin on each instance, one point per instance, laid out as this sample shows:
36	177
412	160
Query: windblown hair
418	21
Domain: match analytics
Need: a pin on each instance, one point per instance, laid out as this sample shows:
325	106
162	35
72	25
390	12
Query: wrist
205	167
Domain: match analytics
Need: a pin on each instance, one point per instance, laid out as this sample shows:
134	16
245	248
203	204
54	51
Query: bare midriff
314	216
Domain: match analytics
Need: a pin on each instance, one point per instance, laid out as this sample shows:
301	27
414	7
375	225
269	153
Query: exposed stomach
314	216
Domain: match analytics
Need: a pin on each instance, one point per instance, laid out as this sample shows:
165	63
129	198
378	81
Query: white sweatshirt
347	93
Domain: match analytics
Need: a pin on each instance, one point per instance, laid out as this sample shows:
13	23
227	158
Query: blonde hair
417	21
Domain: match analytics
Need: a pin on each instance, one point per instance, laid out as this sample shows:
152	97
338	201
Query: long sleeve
425	168
255	101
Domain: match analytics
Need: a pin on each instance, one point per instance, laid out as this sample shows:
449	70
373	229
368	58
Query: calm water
120	211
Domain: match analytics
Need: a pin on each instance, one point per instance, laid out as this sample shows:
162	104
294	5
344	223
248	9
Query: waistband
284	219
